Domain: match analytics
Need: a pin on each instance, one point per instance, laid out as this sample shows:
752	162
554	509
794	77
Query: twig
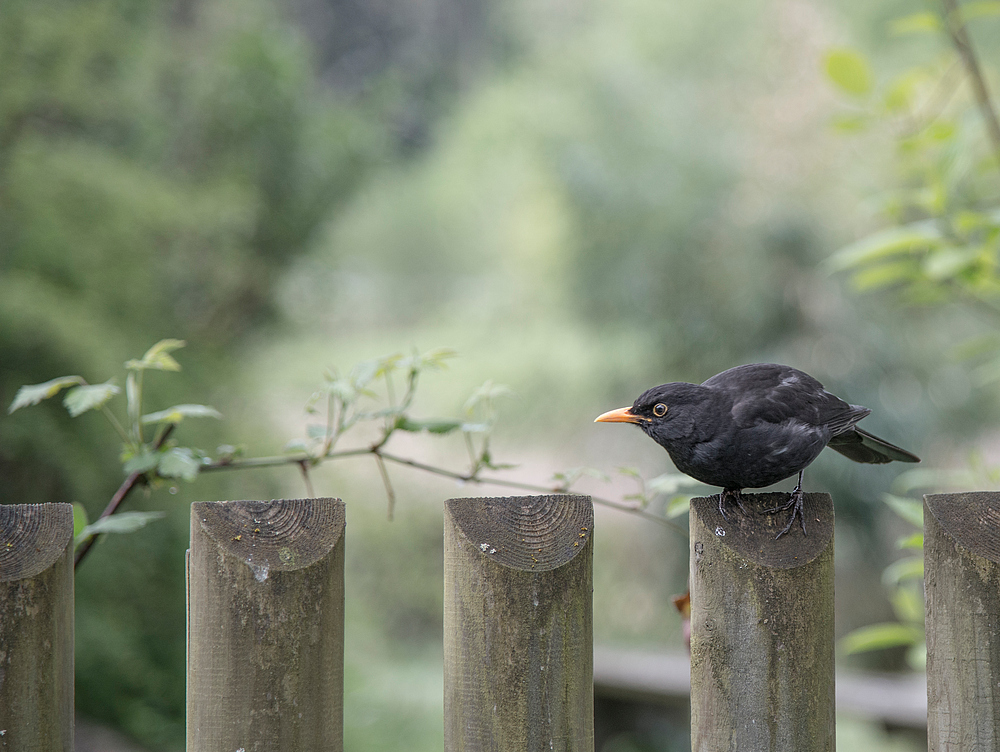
466	478
389	491
470	477
960	38
304	467
123	491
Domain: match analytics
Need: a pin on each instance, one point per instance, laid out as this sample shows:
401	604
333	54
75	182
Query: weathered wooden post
518	624
36	627
266	626
962	587
762	675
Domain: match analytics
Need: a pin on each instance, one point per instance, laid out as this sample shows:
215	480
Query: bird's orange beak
621	415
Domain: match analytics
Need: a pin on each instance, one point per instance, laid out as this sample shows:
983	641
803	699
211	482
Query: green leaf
979	9
929	478
179	462
32	394
476	427
910	568
916	656
79	518
177	413
83	398
884	275
949	262
132	399
316	431
568	477
432	425
916	236
849	71
432	359
908	605
910	510
669	483
486	395
364	373
342	389
123	522
296	445
158	357
916	23
881	636
142	461
852	123
677	506
911	541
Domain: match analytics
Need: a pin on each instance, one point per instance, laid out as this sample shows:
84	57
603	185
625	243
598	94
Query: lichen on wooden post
266	626
962	588
518	624
762	641
36	627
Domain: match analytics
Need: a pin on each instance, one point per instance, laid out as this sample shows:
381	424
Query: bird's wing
771	393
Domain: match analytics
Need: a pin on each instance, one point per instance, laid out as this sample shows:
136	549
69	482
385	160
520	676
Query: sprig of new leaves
374	400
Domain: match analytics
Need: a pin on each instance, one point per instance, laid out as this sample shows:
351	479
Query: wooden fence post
962	588
266	626
518	624
36	627
762	675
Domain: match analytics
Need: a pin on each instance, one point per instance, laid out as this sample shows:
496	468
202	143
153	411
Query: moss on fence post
36	627
518	624
266	626
962	586
762	675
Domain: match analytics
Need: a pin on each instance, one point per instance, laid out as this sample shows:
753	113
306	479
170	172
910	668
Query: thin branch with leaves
365	396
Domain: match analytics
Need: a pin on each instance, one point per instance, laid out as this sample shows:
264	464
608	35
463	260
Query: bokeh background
582	199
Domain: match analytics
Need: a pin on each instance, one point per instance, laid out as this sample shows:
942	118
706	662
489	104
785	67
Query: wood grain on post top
752	535
273	536
533	533
32	538
971	518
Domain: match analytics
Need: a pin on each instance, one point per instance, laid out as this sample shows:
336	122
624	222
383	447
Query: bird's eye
659	409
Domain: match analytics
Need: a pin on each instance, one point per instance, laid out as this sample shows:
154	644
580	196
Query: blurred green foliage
585	200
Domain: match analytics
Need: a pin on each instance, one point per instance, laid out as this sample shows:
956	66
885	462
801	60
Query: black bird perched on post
752	426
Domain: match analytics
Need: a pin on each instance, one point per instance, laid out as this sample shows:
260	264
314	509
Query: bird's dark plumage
752	426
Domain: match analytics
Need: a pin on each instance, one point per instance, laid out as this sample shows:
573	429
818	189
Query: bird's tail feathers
861	446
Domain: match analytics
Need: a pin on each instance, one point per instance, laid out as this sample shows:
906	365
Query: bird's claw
730	494
795	504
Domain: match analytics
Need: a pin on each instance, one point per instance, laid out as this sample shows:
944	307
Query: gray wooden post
962	587
762	644
518	624
36	627
266	626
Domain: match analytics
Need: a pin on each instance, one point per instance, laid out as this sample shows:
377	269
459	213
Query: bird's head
666	412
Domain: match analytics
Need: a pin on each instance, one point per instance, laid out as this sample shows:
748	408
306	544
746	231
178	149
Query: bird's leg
730	494
795	504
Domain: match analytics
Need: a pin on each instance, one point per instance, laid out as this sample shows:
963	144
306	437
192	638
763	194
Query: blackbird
752	426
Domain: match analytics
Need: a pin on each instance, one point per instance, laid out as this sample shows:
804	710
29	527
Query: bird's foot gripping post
731	495
761	629
795	503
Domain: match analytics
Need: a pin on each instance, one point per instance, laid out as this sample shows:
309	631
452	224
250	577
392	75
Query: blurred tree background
583	199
